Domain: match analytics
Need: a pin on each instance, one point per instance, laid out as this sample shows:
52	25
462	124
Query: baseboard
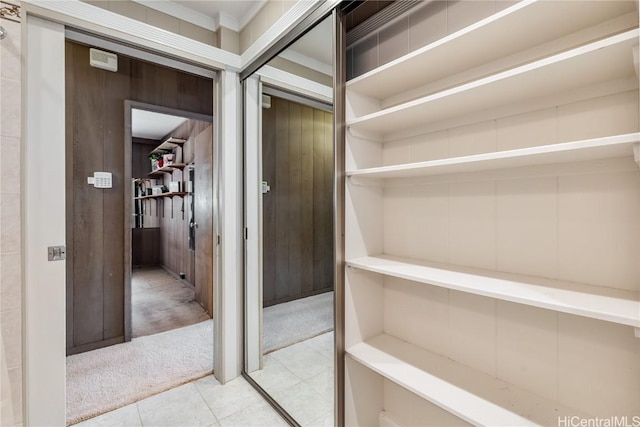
303	295
94	345
176	275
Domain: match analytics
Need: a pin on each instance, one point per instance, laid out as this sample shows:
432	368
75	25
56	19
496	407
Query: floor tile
323	383
169	396
302	360
225	400
259	414
274	376
324	421
126	416
303	403
323	344
191	410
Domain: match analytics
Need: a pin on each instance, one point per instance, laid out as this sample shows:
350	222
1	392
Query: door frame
44	216
128	198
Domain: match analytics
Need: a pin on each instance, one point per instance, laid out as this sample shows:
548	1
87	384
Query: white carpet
291	322
108	378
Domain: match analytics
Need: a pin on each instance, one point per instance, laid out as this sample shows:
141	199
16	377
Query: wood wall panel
69	192
269	205
204	253
95	220
306	183
297	153
295	200
117	87
281	196
319	196
140	149
88	237
145	247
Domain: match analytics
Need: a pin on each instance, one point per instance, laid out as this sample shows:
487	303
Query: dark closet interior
297	159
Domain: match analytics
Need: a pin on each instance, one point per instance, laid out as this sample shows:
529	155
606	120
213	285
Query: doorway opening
135	332
172	223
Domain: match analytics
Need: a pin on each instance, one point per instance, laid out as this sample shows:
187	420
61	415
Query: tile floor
300	377
201	403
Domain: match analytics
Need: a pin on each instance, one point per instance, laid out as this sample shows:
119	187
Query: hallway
160	302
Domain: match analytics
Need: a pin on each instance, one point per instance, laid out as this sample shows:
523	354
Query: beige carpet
102	380
160	302
295	321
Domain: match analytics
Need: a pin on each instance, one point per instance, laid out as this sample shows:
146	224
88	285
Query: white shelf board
476	397
509	31
605	60
575	151
611	305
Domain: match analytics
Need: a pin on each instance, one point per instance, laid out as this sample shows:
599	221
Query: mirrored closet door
289	208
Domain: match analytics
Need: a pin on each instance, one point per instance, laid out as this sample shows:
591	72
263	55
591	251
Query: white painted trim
222	19
296	84
308	62
184	13
231	301
44	222
283	25
253	218
251	13
228	21
99	21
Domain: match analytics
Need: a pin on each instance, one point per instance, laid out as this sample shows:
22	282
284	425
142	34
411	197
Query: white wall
10	226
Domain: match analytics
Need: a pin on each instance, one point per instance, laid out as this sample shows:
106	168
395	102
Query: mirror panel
289	139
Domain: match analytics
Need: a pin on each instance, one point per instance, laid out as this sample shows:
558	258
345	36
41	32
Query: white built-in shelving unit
493	222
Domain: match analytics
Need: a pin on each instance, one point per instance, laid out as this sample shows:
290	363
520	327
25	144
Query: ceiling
150	125
237	9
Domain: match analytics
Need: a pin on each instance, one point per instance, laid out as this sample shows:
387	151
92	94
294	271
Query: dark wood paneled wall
173	215
145	247
203	206
297	159
95	217
140	164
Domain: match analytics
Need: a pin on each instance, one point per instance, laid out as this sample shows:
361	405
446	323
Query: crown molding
84	16
306	61
221	19
175	9
228	21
